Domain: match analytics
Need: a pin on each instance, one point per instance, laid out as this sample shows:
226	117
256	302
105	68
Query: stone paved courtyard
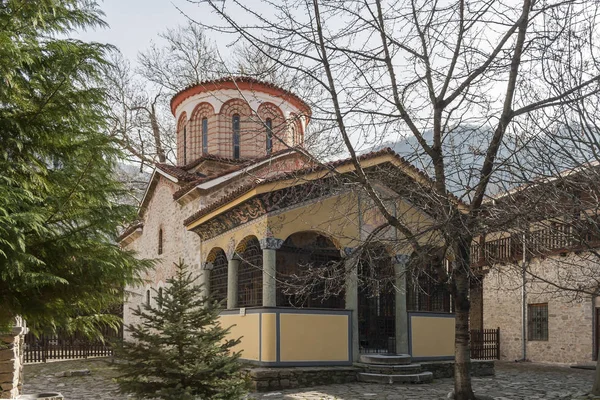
512	381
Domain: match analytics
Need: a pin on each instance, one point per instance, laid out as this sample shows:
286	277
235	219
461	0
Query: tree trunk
462	348
160	151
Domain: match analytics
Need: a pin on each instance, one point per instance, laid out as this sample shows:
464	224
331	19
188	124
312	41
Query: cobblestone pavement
512	381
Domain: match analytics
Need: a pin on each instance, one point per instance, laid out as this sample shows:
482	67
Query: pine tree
60	205
179	350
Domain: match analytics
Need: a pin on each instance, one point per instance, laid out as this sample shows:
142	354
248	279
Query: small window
537	322
148	297
184	145
236	136
160	241
205	135
269	124
160	298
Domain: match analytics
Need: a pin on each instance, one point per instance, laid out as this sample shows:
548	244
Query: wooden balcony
557	238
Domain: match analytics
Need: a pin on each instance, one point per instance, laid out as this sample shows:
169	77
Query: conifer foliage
60	201
179	351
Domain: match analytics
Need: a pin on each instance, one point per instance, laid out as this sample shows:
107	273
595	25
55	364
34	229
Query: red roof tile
216	83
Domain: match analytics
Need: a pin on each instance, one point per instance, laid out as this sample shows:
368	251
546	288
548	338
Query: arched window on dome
184	145
269	125
235	122
204	135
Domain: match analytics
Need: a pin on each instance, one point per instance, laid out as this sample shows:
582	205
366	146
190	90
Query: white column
205	278
232	282
269	247
400	264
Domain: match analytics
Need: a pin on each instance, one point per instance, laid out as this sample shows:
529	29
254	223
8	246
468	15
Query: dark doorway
596	333
376	303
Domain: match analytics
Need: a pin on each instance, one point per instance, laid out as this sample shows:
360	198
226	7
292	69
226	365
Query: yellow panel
269	338
247	328
432	336
328	216
321	337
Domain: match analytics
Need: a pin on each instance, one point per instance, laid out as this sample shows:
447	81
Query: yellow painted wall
319	337
246	327
432	336
269	338
336	217
230	239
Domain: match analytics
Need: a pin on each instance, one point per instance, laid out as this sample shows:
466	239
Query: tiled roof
246	163
210	157
179	173
294	174
132	228
237	79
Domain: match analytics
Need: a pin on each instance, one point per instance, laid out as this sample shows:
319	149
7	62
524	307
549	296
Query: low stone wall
266	379
445	369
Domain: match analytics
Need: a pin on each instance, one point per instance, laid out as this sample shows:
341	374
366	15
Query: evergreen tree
179	350
59	197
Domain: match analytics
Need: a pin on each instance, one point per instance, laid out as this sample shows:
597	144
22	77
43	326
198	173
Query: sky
135	23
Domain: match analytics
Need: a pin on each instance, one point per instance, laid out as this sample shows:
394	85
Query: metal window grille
537	321
250	275
205	135
218	278
236	135
269	123
294	287
376	302
425	293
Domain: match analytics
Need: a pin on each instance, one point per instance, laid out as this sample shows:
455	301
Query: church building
271	233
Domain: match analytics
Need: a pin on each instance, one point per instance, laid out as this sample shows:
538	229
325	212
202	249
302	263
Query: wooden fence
485	344
64	347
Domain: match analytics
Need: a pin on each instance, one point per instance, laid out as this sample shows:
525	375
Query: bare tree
465	85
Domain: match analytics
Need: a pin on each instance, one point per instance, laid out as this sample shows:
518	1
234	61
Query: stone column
269	247
232	282
351	293
205	278
400	264
11	361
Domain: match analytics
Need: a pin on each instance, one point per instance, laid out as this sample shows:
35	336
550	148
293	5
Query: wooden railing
554	239
64	347
485	344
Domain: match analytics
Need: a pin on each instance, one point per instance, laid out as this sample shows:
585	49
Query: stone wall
570	315
266	379
11	363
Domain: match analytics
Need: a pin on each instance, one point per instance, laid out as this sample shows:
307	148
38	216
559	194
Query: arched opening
217	281
308	272
250	272
376	301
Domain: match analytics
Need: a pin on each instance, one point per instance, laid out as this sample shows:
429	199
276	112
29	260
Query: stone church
253	216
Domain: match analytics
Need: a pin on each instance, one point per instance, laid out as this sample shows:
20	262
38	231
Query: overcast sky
134	23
